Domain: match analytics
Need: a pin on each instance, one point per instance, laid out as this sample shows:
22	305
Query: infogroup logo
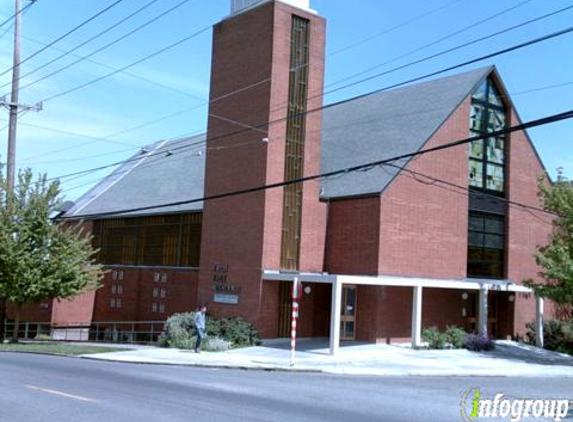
475	407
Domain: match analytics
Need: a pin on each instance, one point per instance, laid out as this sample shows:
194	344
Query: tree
556	258
39	257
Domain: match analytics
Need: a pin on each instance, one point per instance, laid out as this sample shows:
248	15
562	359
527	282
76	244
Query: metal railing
145	332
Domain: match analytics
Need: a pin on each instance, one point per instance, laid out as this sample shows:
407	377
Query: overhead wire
67	34
347	170
102	48
395	85
545	16
264	80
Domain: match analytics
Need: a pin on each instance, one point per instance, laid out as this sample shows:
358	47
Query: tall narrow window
486	245
295	140
487	156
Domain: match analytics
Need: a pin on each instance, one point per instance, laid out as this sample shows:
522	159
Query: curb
207	366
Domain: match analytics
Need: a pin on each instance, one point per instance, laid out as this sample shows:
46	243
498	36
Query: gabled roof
385	125
368	128
152	178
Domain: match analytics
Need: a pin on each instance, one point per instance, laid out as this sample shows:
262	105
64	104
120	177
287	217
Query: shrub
179	332
478	343
435	339
452	338
216	344
239	332
223	334
557	335
455	336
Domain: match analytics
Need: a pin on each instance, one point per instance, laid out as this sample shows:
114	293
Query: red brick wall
77	310
31	312
137	297
244	232
526	230
353	236
423	228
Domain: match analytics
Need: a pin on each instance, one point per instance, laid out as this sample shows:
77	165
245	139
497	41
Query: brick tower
267	70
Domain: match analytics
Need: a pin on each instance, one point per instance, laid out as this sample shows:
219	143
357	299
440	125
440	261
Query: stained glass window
487	157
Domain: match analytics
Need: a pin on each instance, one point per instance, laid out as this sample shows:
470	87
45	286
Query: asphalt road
36	388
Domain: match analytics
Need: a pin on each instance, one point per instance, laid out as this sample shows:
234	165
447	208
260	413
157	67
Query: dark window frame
484	249
488	109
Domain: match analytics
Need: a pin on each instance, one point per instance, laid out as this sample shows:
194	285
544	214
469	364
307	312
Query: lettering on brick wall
222	287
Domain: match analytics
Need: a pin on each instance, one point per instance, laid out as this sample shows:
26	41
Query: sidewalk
509	359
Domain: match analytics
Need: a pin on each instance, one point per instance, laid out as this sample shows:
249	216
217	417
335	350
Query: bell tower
267	72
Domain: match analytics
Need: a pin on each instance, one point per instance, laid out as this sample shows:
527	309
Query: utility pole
14	107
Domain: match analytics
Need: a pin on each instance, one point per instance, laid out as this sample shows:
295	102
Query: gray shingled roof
385	125
150	179
372	127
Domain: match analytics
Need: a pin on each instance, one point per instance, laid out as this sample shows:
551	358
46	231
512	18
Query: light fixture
511	298
308	290
465	296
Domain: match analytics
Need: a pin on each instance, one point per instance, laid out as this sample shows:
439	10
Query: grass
58	348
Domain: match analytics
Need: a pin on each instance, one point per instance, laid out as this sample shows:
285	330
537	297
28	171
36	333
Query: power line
526	44
107	66
468	190
268	79
362	167
101	78
77	47
22	10
104	47
435	42
81	25
393	70
435	73
394	28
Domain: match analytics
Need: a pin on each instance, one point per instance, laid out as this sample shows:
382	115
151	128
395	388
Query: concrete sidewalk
509	359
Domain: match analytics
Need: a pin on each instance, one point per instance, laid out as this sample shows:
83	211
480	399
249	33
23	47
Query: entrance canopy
338	280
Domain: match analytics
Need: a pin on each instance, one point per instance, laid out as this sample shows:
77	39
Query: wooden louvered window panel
295	139
172	240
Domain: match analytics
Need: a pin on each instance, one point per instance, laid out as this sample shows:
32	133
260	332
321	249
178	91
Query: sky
165	97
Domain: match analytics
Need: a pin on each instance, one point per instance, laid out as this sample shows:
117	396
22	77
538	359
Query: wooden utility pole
13	122
14	107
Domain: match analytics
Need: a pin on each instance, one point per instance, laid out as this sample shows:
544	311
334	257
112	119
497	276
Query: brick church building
433	240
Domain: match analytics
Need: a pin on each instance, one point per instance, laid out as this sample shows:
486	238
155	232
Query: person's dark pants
200	337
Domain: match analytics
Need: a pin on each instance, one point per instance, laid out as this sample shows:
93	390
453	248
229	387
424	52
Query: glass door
348	313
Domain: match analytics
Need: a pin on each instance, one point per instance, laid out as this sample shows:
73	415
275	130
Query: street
37	388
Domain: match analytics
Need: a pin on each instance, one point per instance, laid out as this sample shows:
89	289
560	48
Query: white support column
335	310
417	317
539	321
482	313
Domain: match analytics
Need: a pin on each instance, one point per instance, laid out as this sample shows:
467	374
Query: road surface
37	388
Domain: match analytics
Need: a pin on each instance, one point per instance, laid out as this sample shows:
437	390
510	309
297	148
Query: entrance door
492	313
348	313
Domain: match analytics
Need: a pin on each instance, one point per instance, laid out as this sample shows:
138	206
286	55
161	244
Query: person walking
200	327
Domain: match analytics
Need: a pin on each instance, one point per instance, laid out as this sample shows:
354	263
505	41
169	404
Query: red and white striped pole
296	294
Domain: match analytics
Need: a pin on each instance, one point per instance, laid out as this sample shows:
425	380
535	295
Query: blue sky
67	135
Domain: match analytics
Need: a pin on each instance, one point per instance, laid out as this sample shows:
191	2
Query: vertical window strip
295	142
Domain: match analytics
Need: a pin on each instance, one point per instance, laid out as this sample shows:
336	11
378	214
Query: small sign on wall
228	299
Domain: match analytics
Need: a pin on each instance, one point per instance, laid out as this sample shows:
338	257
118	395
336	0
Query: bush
455	336
452	338
216	344
435	339
557	335
223	334
478	343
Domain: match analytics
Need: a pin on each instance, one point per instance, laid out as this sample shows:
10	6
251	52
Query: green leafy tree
556	258
39	257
